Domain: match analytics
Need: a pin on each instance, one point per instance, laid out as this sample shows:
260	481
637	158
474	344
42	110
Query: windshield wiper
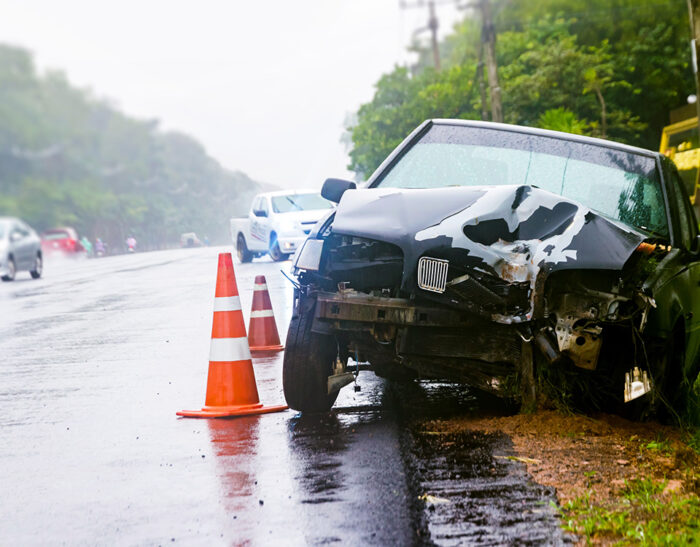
294	203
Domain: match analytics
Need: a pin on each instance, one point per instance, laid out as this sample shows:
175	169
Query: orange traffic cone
231	389
262	331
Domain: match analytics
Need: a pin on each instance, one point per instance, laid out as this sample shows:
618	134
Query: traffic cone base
264	349
231	411
231	388
262	331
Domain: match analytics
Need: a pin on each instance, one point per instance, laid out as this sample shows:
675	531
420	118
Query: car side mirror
260	213
333	189
16	236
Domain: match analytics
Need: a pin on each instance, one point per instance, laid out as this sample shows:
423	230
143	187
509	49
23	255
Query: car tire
668	400
677	384
244	255
275	252
308	361
38	267
12	270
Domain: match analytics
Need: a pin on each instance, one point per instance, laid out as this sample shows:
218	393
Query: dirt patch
578	454
610	474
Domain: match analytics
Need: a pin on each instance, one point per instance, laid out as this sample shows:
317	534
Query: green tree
605	68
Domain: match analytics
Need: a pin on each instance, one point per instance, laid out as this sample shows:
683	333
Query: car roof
290	192
546	133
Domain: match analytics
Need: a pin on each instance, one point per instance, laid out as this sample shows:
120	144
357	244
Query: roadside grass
641	513
694	439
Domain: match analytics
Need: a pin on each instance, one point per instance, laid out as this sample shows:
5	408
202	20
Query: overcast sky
265	85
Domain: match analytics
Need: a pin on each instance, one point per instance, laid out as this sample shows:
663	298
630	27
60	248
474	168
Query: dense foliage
69	159
606	68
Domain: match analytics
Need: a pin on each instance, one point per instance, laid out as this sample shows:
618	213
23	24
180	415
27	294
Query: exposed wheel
669	398
677	383
38	267
11	270
275	252
308	361
244	255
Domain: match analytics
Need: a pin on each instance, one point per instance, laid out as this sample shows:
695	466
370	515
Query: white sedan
20	249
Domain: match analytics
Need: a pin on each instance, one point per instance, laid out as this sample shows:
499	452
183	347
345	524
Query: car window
299	202
686	219
49	236
620	185
263	205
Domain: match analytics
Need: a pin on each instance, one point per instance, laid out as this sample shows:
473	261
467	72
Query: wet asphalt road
97	357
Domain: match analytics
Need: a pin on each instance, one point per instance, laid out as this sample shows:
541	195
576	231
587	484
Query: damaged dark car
492	254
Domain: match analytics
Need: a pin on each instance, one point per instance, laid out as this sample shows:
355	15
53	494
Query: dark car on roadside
62	241
20	249
494	255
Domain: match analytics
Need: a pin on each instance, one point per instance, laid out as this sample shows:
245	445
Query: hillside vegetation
69	158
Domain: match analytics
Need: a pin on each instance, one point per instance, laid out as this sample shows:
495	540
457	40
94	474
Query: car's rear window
620	185
55	235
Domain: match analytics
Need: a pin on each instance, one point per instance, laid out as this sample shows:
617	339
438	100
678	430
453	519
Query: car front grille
432	274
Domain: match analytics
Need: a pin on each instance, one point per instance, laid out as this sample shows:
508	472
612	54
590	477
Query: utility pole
694	15
488	41
432	27
480	82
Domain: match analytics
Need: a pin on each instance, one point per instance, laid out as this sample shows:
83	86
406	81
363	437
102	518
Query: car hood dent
509	231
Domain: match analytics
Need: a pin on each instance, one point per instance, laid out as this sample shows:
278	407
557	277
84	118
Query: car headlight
309	257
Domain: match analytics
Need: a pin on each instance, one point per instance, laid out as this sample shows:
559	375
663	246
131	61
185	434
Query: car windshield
299	202
621	185
54	235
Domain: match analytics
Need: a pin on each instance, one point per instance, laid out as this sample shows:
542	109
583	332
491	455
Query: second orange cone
262	331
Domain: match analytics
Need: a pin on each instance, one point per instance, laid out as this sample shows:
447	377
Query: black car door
687	284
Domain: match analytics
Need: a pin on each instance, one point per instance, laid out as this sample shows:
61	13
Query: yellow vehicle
680	142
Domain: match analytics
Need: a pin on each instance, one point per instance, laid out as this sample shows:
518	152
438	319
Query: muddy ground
594	458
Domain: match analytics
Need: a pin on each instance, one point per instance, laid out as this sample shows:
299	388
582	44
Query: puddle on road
319	443
372	457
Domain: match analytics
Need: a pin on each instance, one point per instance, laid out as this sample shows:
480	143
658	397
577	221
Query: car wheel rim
11	269
275	251
39	265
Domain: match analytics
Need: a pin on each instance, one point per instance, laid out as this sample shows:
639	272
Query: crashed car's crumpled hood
495	225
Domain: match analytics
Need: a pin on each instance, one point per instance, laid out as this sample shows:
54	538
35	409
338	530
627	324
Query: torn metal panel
510	232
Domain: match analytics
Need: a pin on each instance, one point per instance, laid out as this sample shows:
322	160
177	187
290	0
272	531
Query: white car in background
20	249
278	223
